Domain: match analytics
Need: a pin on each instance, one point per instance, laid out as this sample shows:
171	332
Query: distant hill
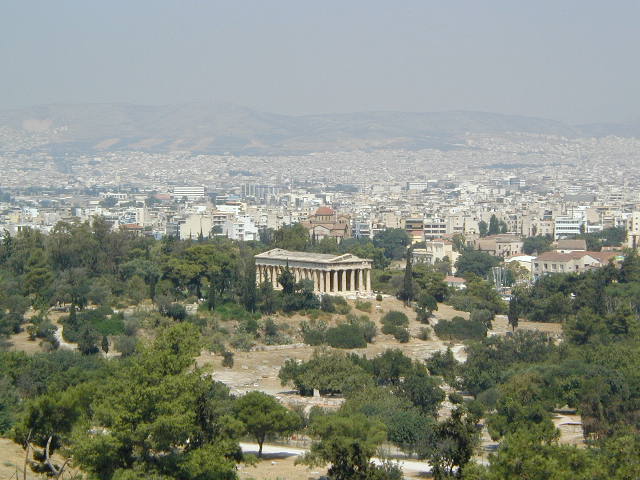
220	128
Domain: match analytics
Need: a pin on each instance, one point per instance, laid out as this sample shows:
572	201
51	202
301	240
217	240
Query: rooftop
325	211
572	244
280	254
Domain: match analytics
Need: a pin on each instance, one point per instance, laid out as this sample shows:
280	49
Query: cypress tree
406	293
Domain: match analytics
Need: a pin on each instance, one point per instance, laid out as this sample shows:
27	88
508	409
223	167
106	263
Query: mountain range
228	128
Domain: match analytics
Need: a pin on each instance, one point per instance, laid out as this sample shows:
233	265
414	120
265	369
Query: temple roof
280	254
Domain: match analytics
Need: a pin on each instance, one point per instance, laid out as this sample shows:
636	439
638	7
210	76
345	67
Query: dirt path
62	344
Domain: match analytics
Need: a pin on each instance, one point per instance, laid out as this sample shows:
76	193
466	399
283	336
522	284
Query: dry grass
12	463
279	467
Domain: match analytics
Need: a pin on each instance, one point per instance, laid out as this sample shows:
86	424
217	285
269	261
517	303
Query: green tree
455	441
483	228
512	315
287	281
393	241
105	344
267	300
406	293
494	225
158	411
249	294
262	416
422	390
476	262
88	340
536	245
426	306
347	443
482	316
524	454
292	237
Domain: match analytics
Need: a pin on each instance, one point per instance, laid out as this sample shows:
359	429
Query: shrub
125	345
242	341
378	297
425	333
483	316
334	304
87	340
234	311
227	359
270	328
401	334
392	321
101	320
460	329
455	398
363	306
113	325
343	309
326	304
250	325
396	318
175	311
346	335
131	326
314	332
444	365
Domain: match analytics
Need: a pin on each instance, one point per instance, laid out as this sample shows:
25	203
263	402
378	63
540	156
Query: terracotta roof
560	257
604	257
325	211
451	279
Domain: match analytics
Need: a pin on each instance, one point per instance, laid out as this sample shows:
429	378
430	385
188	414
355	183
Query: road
62	344
413	466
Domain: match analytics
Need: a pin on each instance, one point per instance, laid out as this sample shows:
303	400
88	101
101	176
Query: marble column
359	279
344	281
326	277
368	275
335	281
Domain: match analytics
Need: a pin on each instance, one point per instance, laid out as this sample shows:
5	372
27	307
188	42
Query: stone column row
324	281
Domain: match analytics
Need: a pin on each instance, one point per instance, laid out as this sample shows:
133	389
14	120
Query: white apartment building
194	225
191	192
241	228
568	226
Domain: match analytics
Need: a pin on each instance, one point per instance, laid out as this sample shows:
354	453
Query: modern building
335	274
434	228
415	229
192	192
568	227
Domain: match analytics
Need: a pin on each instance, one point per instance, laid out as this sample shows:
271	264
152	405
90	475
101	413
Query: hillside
220	128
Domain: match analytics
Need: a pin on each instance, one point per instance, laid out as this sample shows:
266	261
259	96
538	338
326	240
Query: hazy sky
570	60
